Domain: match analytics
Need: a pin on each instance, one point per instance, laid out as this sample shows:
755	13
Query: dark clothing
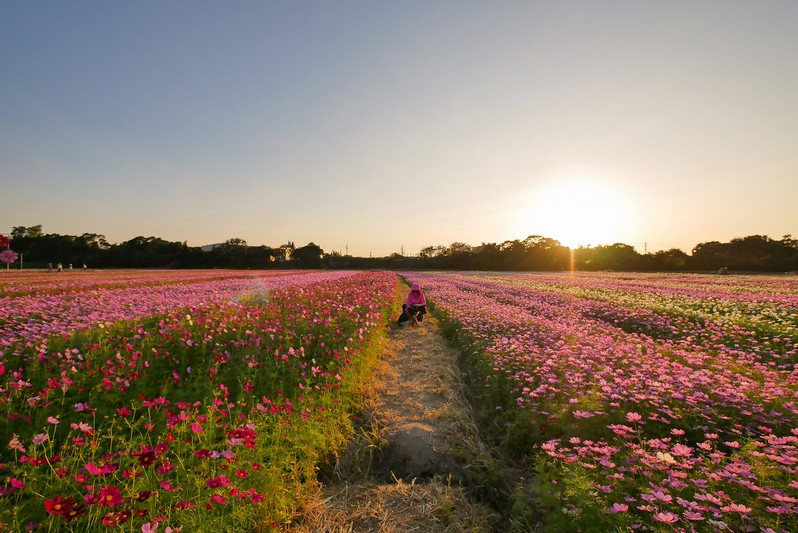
408	312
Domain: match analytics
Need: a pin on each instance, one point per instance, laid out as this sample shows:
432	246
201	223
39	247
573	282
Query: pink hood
416	297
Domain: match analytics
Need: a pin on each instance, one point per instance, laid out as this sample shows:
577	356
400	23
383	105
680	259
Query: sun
577	212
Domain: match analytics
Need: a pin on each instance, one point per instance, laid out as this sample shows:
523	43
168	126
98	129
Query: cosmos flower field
641	402
190	401
177	401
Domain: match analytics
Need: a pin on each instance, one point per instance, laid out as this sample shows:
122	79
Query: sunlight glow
577	211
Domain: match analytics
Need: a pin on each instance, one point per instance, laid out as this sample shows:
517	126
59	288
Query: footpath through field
407	470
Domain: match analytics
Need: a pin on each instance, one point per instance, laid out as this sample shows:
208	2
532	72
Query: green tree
669	260
18	232
308	256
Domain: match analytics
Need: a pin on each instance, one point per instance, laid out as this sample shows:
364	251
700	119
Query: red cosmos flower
59	506
166	467
132	473
117	519
110	497
33	461
67	508
184	504
218	498
74	512
218	481
146	457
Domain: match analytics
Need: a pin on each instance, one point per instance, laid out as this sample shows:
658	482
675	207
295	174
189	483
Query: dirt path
408	469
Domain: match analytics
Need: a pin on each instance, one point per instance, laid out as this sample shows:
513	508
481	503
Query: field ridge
411	465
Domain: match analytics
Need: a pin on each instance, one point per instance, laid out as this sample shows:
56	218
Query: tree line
755	253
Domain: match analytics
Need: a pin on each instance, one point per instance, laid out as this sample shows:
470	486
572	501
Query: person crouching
415	306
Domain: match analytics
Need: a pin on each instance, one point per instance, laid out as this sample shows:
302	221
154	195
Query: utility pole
645	248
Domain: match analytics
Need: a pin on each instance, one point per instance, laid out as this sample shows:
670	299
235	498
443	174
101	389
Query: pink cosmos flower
14	444
8	256
680	450
633	417
165	485
666	517
619	508
739	508
102	470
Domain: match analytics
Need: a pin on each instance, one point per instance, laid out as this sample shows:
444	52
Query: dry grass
417	384
400	506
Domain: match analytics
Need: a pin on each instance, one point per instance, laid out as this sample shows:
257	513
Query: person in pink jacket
415	306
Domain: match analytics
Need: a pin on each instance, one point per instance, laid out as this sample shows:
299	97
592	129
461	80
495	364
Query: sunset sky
373	126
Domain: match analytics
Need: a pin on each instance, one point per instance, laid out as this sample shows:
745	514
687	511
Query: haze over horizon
376	126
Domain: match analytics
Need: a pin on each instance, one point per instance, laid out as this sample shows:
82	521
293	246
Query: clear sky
378	126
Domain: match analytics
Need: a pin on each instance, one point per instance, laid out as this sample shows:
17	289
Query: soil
408	467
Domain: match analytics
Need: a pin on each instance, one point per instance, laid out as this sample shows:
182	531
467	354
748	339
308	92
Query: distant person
70	266
723	271
59	267
84	266
415	306
49	267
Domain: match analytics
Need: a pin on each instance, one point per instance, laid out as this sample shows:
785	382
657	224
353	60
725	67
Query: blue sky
378	126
